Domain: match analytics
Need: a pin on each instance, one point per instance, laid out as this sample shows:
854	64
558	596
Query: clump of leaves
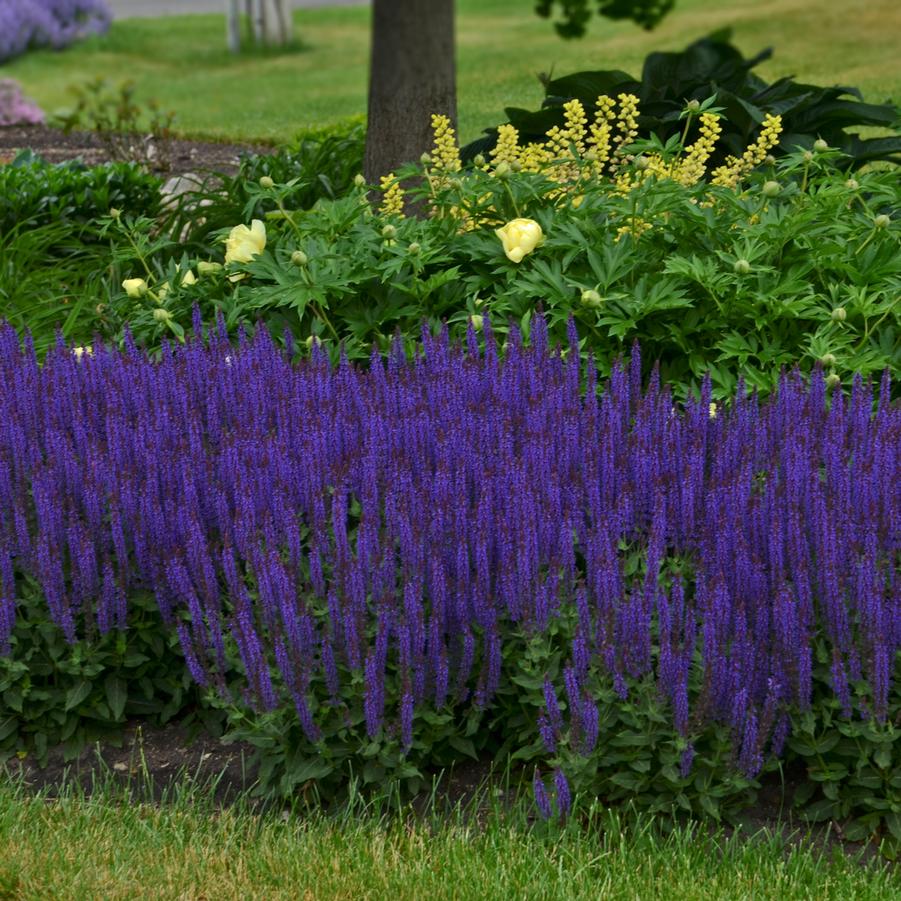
129	131
710	66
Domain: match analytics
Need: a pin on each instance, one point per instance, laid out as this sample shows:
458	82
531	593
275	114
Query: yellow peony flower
244	243
135	287
189	278
519	237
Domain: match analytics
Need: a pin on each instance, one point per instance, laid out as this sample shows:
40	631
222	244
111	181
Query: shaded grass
502	45
78	847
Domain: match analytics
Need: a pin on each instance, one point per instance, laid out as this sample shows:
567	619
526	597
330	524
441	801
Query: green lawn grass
182	60
110	847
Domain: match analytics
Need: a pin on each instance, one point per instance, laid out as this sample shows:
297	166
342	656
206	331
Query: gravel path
130	9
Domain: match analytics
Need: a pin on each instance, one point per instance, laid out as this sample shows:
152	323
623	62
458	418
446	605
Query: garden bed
55	146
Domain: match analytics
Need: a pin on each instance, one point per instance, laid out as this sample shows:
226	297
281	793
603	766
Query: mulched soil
56	146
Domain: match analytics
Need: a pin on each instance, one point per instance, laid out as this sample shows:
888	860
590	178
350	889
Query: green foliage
737	283
34	193
576	13
128	131
319	163
53	693
713	66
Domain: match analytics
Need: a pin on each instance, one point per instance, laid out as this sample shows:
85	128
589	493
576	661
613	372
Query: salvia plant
468	553
31	24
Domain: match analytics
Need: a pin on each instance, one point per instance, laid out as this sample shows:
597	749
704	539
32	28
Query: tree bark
412	74
233	25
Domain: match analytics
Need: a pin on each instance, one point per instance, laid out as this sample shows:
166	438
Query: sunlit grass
502	45
108	846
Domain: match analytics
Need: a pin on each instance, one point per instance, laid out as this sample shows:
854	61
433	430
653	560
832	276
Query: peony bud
769	159
502	169
389	232
116	214
828	359
311	340
807	156
642	163
820	145
833	380
207	268
299	258
266	182
414	249
135	287
852	184
771	188
477	321
478	161
425	159
161	315
359	181
741	267
591	299
693	106
881	221
839	314
516	166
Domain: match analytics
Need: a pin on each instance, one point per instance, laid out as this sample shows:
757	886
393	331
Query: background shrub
30	24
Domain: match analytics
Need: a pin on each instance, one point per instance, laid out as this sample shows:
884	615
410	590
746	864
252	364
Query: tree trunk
412	74
233	25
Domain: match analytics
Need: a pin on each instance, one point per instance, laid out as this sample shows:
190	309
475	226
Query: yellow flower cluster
446	154
690	169
507	148
627	121
392	196
599	138
730	174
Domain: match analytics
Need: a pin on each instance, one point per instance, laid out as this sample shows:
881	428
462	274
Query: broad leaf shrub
778	265
32	24
34	193
470	554
713	66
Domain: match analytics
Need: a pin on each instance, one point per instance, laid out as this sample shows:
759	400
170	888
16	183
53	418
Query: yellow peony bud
852	184
693	106
244	243
833	380
135	287
266	182
828	359
477	321
161	292
771	188
389	232
741	267
807	156
359	181
820	145
502	169
299	258
205	268
189	278
311	340
519	237
478	161
116	214
161	315
881	221
839	314
414	249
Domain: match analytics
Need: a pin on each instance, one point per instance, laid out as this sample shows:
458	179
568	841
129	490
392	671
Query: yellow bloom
731	173
519	237
189	278
446	154
507	148
393	196
135	287
244	243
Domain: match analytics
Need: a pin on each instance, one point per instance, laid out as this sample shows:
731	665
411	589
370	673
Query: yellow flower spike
730	174
599	133
243	243
576	120
392	196
446	155
520	237
507	148
690	169
627	121
135	287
